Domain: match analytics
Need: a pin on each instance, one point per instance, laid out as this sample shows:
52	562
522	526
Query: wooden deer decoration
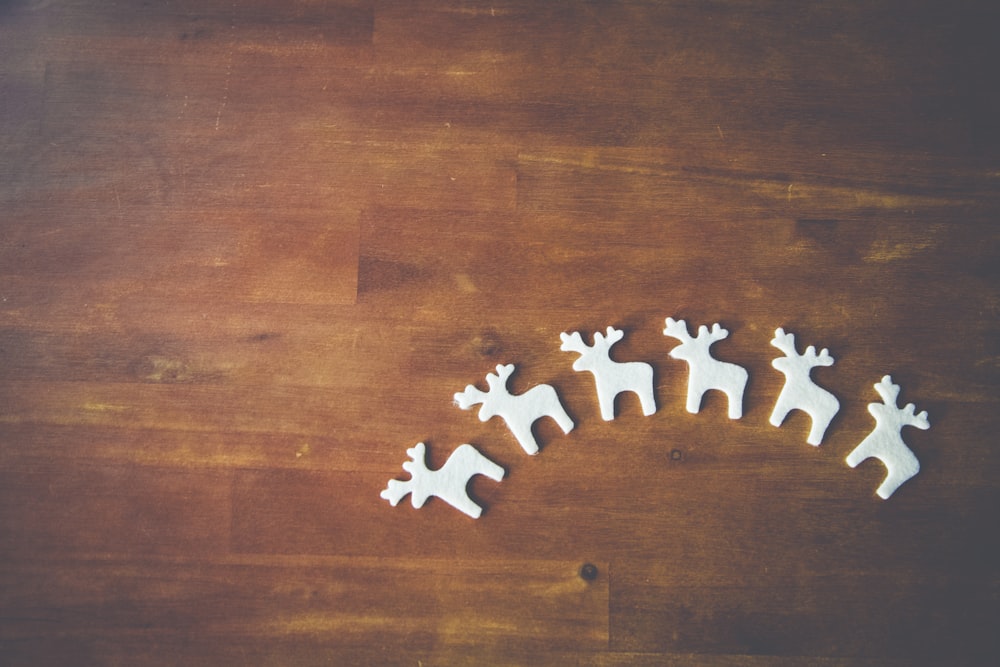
518	411
448	483
704	371
611	377
885	442
799	392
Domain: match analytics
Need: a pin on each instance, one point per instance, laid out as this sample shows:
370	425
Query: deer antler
677	329
784	342
821	359
397	490
918	420
888	391
471	396
604	342
502	375
573	343
717	333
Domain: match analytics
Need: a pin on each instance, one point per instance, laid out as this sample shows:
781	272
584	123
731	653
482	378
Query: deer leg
892	482
648	401
552	408
820	422
741	388
736	402
467	462
902	467
607	401
525	437
693	400
899	461
860	453
491	470
559	415
781	410
463	503
827	410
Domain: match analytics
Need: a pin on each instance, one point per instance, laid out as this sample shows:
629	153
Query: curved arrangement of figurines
705	372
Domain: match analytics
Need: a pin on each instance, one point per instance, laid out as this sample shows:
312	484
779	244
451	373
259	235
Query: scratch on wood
592	163
229	69
883	251
103	407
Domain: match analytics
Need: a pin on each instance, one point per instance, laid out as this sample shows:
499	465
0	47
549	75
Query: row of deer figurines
521	411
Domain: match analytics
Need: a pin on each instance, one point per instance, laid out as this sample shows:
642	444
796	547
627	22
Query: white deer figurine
800	392
611	377
519	411
448	483
885	442
704	371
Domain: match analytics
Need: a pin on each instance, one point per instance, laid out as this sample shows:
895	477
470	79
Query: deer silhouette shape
704	371
611	377
885	442
448	482
799	392
519	411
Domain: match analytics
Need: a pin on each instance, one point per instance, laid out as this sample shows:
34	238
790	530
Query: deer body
519	411
799	392
885	442
448	482
704	371
611	377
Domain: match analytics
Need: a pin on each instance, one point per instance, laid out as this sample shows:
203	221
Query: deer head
786	343
473	396
397	490
589	357
677	329
574	343
692	347
498	382
890	393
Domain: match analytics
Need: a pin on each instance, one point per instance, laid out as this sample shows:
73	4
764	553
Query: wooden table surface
250	250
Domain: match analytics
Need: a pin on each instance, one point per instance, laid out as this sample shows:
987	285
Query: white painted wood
885	442
612	377
519	411
799	391
704	371
448	483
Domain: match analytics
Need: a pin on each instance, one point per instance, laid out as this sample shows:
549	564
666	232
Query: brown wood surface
249	250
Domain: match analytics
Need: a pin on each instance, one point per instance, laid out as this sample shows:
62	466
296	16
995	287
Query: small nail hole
588	572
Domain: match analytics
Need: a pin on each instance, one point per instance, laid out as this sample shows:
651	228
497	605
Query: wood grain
249	251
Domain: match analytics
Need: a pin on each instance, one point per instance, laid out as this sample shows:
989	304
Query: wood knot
487	344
